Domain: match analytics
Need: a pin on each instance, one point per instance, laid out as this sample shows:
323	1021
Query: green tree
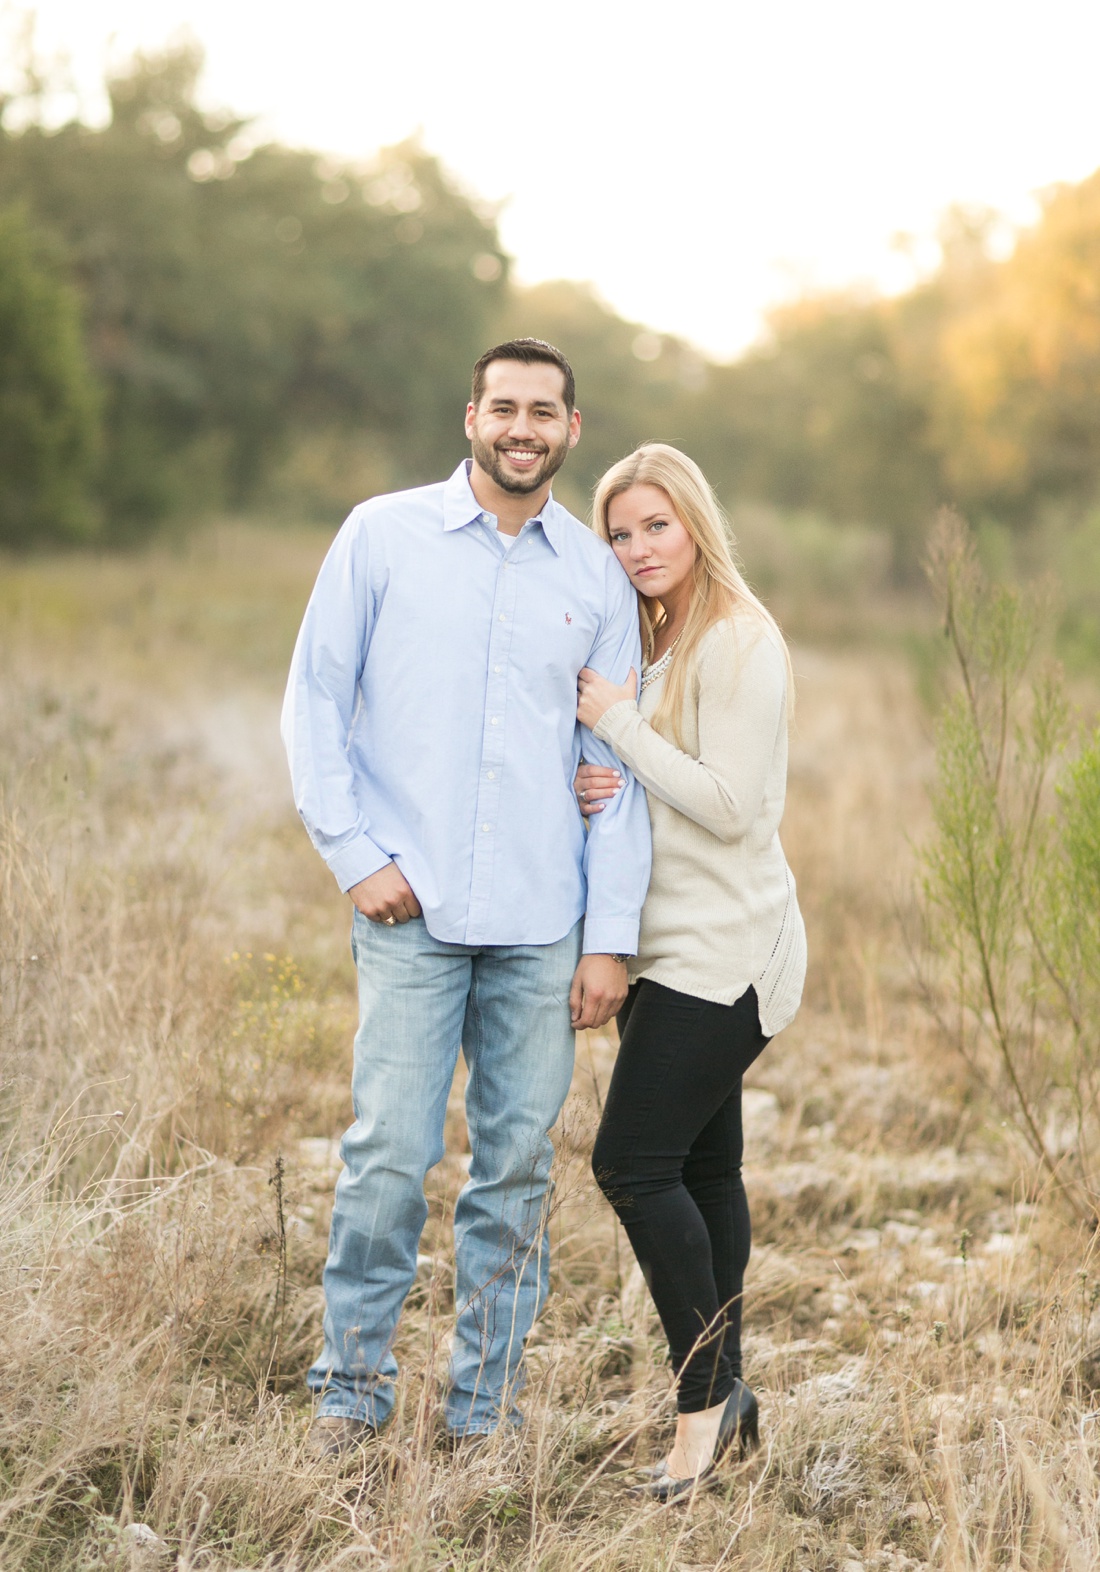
48	407
240	298
824	417
1018	398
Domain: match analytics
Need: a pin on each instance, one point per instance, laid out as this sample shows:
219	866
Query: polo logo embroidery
568	618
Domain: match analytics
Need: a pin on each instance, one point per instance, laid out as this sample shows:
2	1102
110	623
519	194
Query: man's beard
489	460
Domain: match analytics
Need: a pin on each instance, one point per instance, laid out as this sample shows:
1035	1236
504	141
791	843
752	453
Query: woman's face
651	542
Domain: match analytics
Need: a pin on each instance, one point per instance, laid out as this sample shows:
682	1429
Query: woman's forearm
740	712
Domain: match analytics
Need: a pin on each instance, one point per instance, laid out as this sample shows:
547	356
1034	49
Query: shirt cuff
357	860
610	936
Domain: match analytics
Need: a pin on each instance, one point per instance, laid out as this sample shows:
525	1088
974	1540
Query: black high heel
739	1426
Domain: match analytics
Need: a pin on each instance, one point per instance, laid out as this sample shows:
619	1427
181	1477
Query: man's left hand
598	991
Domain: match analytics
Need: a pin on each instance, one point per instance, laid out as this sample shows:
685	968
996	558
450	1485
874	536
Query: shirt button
502	618
492	775
485	827
494	721
497	669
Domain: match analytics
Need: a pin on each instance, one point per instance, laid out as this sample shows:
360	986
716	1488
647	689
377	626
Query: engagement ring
584	795
389	921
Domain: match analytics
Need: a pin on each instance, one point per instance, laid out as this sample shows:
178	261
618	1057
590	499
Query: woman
722	953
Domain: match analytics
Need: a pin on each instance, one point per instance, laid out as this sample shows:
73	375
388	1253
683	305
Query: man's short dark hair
529	352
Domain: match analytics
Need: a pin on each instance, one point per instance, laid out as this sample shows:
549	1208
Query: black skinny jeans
668	1158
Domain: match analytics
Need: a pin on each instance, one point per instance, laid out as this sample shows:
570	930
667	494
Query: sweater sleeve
742	697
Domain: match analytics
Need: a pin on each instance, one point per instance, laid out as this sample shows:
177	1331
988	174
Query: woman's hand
595	694
596	784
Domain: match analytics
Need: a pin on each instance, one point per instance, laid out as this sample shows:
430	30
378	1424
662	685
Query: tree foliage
826	417
1021	365
238	298
265	326
48	412
979	388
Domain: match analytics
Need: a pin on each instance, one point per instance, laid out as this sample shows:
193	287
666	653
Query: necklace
654	672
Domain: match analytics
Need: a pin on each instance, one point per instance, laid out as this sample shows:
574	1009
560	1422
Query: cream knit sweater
721	912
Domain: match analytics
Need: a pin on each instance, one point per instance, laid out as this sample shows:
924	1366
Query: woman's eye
659	524
618	539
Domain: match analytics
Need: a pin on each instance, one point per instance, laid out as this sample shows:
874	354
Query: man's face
521	430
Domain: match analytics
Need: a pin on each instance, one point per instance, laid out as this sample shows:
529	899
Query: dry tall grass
176	1013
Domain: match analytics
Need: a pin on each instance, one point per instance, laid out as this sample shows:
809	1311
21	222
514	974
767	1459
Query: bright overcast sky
696	161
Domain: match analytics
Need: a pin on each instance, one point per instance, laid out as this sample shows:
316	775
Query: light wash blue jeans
419	1000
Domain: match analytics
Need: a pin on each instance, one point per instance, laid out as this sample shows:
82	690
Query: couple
464	646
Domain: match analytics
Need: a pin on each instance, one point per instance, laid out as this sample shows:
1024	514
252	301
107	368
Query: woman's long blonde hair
719	589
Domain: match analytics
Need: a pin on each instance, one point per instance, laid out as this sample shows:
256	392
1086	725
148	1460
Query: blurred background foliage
191	321
261	325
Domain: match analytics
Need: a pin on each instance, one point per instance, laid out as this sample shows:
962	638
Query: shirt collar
461	507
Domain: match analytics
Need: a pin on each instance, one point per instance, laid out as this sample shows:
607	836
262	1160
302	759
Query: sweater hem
675	979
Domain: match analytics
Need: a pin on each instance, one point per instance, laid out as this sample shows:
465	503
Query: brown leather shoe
331	1435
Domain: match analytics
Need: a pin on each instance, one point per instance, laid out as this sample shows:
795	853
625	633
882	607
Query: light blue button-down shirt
430	718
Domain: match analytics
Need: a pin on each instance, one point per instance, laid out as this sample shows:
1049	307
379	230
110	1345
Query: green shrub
1012	871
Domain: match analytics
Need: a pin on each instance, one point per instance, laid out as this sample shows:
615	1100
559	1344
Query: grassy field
177	1007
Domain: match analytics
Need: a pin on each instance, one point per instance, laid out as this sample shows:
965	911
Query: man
430	721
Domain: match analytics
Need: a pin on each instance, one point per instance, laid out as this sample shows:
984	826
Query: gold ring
389	921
